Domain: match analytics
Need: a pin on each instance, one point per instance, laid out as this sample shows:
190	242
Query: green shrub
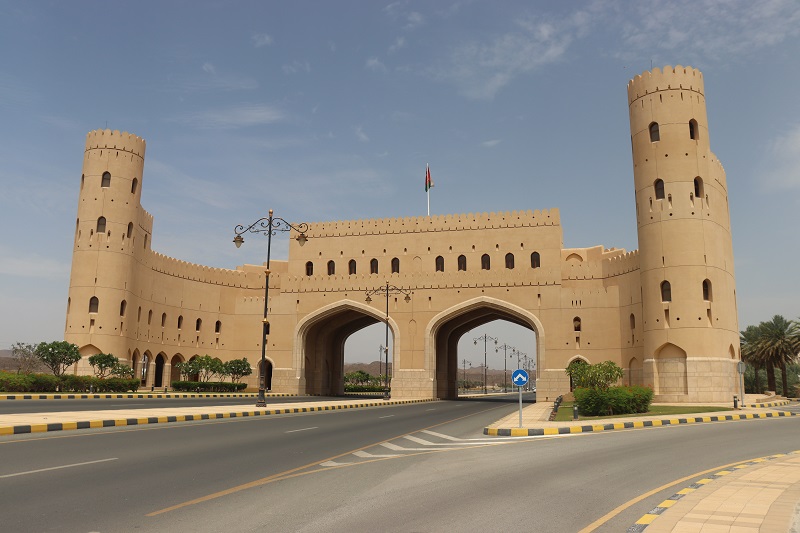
207	386
613	401
363	388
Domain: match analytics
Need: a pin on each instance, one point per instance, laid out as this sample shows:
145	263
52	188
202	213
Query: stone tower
690	327
112	233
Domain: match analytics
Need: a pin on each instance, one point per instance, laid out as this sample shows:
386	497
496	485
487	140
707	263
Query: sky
327	110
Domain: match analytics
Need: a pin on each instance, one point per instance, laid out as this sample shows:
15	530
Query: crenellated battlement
621	264
191	271
380	226
114	140
668	78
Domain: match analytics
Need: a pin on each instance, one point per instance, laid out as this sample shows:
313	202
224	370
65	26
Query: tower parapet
114	140
653	81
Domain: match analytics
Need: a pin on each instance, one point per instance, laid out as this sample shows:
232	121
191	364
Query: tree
597	376
359	377
121	370
779	344
25	357
748	340
58	355
237	369
103	364
208	367
188	369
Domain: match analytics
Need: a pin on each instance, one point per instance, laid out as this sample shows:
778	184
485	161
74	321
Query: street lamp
387	290
505	347
485	338
268	226
464	365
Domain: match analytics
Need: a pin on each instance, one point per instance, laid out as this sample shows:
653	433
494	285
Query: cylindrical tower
691	338
110	233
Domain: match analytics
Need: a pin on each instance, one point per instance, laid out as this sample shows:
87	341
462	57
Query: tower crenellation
115	140
667	78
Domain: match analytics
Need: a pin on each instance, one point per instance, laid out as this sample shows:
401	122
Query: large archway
447	328
320	343
161	360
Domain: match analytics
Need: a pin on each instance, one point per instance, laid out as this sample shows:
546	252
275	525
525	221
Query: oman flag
428	180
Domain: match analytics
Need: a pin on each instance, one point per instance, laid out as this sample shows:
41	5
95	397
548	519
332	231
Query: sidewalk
757	496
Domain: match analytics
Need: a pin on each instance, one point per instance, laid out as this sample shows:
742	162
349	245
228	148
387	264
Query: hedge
363	388
613	401
208	386
11	382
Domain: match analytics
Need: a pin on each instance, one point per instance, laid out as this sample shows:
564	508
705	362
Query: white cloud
261	39
414	20
399	43
411	20
209	68
375	65
783	167
361	135
234	117
491	143
295	67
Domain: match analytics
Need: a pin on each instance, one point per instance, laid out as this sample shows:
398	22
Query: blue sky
328	110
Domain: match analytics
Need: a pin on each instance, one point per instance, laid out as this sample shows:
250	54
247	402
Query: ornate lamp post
268	226
387	290
464	383
485	338
505	347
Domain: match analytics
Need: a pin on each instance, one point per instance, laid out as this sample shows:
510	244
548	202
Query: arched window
576	323
101	225
106	181
654	136
509	260
134	185
197	324
485	262
698	188
373	266
309	269
331	268
439	263
123	305
218	327
130	230
633	321
707	295
536	261
180	321
395	265
351	267
163	319
139	314
94	304
149	317
666	291
462	262
659	186
693	133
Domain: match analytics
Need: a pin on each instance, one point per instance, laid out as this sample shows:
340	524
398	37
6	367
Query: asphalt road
421	467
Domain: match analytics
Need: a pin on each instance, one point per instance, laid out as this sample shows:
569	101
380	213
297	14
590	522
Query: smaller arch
309	268
198	323
654	133
439	263
351	267
101	225
149	317
395	265
707	294
163	320
331	267
510	261
666	291
180	321
123	306
633	322
576	323
130	230
536	260
462	262
218	327
486	262
373	266
94	304
105	181
134	185
699	191
693	131
659	187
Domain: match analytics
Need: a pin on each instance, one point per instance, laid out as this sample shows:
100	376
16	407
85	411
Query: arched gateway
651	311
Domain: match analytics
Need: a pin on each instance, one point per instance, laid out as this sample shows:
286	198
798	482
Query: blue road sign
519	377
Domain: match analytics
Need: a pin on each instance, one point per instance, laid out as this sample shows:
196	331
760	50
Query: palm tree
748	340
778	345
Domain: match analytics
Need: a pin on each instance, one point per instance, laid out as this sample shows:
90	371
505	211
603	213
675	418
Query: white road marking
397	448
462	443
58	467
368	455
486	439
387	416
430	409
304	429
333	463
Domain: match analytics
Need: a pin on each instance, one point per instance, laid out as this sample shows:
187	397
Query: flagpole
427	186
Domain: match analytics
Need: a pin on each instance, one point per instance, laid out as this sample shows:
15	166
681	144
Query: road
420	467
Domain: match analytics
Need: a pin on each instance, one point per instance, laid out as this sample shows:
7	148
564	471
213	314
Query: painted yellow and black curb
87	424
537	432
136	395
771	404
658	510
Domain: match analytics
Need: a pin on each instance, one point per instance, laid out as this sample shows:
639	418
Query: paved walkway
757	496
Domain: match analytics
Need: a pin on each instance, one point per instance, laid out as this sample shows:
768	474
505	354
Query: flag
428	180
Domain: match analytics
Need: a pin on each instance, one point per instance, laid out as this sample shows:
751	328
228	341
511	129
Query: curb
772	404
87	424
537	432
648	518
90	396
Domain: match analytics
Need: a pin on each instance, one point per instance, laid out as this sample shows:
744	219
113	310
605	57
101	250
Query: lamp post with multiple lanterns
485	338
387	290
505	347
268	226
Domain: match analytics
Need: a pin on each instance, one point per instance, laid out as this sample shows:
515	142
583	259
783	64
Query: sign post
519	378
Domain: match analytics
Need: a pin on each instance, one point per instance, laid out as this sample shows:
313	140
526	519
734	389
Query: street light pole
485	337
387	290
464	382
505	347
268	226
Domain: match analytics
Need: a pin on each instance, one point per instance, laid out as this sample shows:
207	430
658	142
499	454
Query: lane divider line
58	467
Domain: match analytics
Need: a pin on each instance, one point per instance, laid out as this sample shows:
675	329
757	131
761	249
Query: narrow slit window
101	225
659	186
707	294
693	133
666	291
